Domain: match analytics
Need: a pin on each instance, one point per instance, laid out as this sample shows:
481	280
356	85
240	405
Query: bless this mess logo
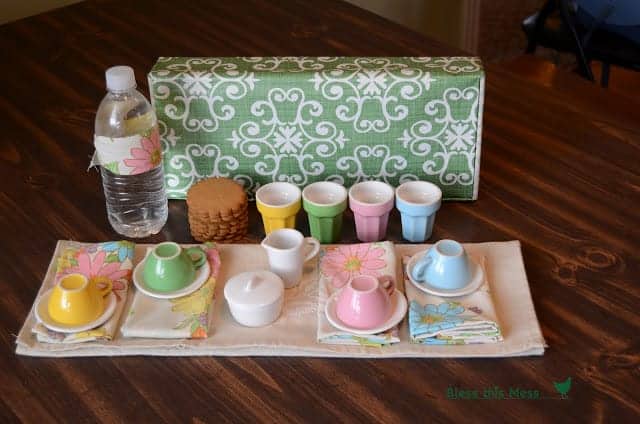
456	393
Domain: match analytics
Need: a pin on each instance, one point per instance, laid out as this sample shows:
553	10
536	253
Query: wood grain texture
559	172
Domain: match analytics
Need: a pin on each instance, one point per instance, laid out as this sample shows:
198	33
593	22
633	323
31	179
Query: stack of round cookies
217	210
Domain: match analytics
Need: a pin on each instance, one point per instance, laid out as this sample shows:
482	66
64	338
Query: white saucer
398	303
202	274
477	279
42	315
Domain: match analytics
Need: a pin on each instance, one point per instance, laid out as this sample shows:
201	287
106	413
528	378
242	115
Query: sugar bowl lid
254	288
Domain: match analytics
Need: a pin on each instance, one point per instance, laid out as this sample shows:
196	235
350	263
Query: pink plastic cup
364	303
371	202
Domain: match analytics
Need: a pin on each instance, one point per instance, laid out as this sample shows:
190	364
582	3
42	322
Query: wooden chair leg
584	65
604	78
583	60
541	17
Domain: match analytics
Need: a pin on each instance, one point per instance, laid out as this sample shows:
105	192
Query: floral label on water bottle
128	155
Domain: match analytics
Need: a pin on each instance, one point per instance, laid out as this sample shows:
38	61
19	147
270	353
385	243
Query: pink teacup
365	302
371	202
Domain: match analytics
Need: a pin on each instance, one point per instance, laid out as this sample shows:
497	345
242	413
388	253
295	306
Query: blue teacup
418	202
444	266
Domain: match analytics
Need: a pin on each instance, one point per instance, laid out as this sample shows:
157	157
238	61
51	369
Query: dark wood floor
541	70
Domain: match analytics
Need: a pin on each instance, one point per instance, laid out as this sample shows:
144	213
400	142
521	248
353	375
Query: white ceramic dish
42	315
202	274
477	279
398	311
255	298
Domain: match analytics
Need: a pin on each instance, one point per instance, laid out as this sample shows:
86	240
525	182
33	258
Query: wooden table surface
559	172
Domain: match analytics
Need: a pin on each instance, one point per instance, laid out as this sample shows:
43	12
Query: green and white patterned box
305	119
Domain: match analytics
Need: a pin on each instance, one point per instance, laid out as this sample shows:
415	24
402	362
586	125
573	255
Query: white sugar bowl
255	298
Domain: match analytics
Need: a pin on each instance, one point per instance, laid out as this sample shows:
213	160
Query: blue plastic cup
418	202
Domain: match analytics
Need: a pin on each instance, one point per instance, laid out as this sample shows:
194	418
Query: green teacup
325	202
169	267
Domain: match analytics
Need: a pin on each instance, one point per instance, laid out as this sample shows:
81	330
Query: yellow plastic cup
278	203
76	300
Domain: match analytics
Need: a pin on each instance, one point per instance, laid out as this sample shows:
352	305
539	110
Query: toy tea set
441	297
364	304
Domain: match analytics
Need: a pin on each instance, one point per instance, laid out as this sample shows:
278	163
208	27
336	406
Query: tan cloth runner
295	332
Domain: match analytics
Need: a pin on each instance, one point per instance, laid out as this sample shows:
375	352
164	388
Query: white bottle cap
120	78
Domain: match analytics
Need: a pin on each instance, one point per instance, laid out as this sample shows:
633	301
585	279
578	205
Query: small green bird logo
563	387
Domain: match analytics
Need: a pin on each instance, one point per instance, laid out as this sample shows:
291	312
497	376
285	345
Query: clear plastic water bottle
129	153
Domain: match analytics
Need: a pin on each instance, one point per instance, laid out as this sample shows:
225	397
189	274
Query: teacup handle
388	283
315	248
108	288
421	266
196	251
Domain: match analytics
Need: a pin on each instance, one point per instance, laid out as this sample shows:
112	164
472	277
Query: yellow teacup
76	300
278	203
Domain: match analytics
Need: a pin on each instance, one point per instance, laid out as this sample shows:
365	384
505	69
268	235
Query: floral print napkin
103	261
338	264
186	317
435	320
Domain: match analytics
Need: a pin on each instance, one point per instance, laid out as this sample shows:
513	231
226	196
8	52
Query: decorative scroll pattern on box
304	119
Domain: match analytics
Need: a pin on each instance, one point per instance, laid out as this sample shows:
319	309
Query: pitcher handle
311	241
196	251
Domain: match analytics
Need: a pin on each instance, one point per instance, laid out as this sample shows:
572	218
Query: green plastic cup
325	202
